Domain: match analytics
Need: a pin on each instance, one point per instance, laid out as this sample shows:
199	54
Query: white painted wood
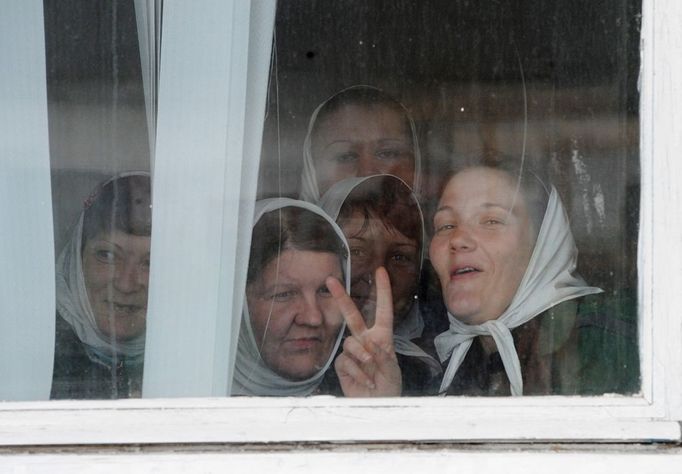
665	65
265	420
343	461
27	288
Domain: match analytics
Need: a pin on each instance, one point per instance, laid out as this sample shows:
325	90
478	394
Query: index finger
348	309
384	312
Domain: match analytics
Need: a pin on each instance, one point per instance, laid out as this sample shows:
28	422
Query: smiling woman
506	261
102	281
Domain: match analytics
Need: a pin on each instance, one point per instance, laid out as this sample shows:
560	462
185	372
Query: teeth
465	270
127	308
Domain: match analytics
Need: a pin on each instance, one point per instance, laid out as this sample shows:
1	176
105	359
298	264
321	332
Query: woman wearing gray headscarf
291	326
102	277
384	226
359	131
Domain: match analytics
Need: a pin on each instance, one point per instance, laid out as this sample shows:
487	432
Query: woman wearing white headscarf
383	223
506	259
359	131
291	327
102	279
522	321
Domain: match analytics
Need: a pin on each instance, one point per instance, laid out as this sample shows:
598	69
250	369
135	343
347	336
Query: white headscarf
252	376
309	189
73	303
550	279
412	326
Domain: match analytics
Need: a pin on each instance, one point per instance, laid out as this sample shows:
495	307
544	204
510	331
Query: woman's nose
461	239
309	313
129	277
367	165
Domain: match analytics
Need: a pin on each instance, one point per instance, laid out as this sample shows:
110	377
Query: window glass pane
517	128
511	133
101	189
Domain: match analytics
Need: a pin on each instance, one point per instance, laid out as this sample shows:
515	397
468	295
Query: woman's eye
492	221
389	154
283	296
357	252
402	259
324	291
105	256
443	228
348	157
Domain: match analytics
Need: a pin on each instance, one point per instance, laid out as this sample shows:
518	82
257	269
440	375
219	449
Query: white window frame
652	416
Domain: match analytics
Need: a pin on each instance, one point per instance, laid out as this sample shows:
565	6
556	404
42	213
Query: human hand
368	366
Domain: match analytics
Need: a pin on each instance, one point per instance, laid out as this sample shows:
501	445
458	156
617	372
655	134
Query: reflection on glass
547	87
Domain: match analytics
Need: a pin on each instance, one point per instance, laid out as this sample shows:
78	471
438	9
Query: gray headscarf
251	374
309	188
73	303
412	326
550	279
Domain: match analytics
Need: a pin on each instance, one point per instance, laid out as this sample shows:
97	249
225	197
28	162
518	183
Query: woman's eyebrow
108	242
405	244
399	140
342	141
502	207
277	287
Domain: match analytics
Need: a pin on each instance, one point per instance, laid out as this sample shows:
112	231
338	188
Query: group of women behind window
349	291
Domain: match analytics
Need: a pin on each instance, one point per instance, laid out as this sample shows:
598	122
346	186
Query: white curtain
211	103
148	18
27	289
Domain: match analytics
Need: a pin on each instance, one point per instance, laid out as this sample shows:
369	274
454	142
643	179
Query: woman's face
116	274
293	315
359	140
481	246
372	245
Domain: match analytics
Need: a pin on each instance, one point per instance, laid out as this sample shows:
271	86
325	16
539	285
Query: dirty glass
486	154
516	127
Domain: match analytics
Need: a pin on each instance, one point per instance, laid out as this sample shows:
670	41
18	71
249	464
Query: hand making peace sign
368	366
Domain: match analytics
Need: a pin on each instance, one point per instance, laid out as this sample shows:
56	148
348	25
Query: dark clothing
77	376
418	378
583	346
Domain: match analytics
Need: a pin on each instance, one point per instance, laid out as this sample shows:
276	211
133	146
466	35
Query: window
192	121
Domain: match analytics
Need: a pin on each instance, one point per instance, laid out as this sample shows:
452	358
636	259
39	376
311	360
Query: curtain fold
211	104
148	17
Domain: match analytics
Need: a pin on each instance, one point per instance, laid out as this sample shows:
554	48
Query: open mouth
463	271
